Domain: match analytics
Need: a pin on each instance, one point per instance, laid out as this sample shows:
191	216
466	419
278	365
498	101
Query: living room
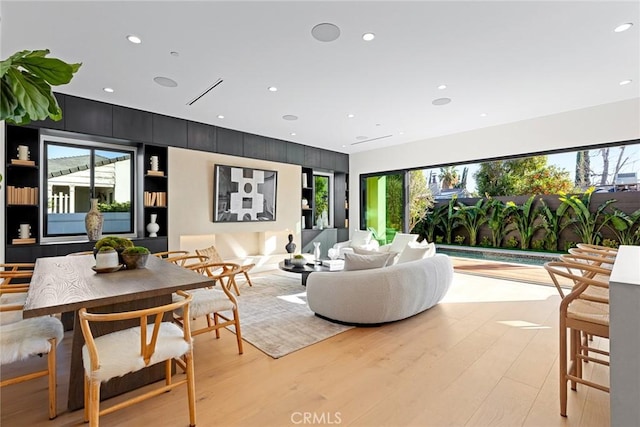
364	376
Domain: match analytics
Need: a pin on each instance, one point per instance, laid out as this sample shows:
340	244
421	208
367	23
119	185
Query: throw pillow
363	262
390	255
360	238
416	251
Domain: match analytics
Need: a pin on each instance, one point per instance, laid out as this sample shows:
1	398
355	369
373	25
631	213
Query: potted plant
135	257
299	260
117	243
107	257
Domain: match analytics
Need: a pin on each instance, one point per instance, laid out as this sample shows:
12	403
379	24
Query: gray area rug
275	318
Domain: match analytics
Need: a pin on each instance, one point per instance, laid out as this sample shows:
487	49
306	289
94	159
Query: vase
93	222
153	226
316	252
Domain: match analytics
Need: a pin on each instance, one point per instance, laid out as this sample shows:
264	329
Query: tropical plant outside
626	227
525	217
472	218
587	225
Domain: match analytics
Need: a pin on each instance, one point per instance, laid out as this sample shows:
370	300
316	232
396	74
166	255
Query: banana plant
553	223
428	225
626	227
587	225
499	220
525	217
449	221
471	218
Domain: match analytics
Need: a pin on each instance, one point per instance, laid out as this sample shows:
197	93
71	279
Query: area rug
275	318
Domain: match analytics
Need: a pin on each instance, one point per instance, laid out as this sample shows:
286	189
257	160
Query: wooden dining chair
24	338
580	317
186	260
214	256
169	254
16	273
211	303
130	350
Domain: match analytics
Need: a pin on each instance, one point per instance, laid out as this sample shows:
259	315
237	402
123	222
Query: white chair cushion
364	262
400	241
206	301
18	298
416	251
119	352
361	238
390	255
28	337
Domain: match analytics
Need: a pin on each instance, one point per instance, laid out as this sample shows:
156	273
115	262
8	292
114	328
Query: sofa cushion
400	241
353	261
416	251
360	238
390	255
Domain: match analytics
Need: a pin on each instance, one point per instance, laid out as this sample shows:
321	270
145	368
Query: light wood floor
486	356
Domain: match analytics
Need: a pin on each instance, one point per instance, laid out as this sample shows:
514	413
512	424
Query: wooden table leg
115	386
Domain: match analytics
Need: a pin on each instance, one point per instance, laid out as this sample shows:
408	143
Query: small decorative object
93	222
107	257
316	252
305	203
154	163
290	247
153	226
23	152
25	231
304	223
333	253
135	257
298	261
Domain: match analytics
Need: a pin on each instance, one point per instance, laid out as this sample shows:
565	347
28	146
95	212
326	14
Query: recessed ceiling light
401	132
344	145
272	89
362	138
292	134
625	82
134	39
174	53
442	87
220	116
483	114
165	81
441	101
325	32
368	37
290	117
623	27
108	89
351	116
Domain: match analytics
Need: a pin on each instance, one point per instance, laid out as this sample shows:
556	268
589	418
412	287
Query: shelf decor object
94	221
153	227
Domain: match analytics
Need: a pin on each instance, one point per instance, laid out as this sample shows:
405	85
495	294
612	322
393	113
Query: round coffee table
304	271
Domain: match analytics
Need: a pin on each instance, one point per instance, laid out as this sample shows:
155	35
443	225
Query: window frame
330	198
92	144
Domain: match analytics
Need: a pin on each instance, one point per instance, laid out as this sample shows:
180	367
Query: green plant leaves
26	80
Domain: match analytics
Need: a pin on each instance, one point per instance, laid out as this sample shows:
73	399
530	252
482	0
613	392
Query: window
323	190
383	205
76	171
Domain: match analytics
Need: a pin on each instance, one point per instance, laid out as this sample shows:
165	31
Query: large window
323	190
77	171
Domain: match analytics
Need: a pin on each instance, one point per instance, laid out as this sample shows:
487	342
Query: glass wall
383	205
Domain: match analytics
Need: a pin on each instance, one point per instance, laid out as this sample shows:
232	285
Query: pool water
519	257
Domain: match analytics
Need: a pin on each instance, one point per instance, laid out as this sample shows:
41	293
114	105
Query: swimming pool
491	254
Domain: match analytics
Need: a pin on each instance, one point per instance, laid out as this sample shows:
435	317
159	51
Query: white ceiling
512	60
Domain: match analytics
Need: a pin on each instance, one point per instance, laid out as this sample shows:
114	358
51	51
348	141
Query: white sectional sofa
382	294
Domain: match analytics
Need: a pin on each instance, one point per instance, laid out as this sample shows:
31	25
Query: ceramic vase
316	252
107	259
94	221
153	226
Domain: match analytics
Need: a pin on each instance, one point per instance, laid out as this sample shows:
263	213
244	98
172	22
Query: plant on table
135	257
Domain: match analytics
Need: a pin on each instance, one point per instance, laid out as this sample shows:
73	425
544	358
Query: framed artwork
244	194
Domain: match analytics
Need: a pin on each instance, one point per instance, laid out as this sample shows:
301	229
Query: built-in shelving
155	196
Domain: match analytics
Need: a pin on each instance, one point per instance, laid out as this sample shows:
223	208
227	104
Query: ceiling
501	62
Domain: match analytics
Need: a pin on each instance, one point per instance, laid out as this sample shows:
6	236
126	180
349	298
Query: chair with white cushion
130	350
400	240
362	239
21	339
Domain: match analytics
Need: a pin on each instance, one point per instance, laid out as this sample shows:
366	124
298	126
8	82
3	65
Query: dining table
67	283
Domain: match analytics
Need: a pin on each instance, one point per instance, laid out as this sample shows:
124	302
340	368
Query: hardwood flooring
486	356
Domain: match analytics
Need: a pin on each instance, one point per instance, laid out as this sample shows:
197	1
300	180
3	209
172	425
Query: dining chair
211	303
214	256
16	271
23	338
186	260
130	350
14	294
580	317
169	254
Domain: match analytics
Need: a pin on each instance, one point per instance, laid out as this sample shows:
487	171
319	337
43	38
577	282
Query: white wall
191	194
619	121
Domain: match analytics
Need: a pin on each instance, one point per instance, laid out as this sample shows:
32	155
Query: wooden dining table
68	283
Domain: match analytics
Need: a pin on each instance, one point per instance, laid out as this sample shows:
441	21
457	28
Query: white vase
316	252
107	259
153	226
93	222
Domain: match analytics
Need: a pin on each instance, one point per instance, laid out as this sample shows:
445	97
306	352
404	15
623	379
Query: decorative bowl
133	261
298	262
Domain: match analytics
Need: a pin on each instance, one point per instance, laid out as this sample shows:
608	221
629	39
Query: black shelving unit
307	194
155	199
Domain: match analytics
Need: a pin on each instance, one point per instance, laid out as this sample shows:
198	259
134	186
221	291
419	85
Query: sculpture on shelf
290	247
153	227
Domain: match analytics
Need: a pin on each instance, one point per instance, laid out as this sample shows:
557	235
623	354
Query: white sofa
382	294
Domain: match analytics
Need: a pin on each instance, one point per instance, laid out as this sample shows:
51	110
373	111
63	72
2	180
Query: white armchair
359	239
400	241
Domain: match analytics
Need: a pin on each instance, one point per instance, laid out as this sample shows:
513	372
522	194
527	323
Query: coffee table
304	271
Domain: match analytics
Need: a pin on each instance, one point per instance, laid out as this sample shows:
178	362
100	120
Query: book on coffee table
333	264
